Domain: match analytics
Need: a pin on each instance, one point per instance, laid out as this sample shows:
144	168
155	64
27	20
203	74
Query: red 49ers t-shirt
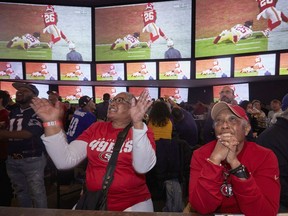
128	187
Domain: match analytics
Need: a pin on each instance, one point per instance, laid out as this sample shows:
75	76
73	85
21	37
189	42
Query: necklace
226	188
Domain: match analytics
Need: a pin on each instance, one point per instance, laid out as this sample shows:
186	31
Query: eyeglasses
231	120
119	100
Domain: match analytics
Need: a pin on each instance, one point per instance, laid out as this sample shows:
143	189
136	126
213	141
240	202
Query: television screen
7	86
44	32
176	94
73	93
213	68
141	71
42	88
112	90
241	92
41	71
238	27
76	72
174	70
11	70
143	31
136	91
283	68
255	65
108	72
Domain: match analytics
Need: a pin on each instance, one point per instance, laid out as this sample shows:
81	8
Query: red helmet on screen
177	65
8	65
77	67
215	62
44	66
50	8
149	6
258	59
112	67
143	66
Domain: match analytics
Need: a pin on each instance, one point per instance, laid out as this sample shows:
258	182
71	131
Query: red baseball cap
235	109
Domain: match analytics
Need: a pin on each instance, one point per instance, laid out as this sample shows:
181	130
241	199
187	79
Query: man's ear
247	128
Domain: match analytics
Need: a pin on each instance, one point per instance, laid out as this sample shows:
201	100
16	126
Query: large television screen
213	68
153	91
99	91
175	70
178	95
76	72
283	66
73	93
141	71
108	72
226	27
44	32
11	70
42	88
241	91
155	24
255	65
41	71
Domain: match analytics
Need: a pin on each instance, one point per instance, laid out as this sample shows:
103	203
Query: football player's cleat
266	33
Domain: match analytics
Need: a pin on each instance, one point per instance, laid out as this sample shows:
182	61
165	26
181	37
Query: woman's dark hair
159	114
5	97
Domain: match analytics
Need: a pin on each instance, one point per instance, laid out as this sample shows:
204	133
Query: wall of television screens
155	45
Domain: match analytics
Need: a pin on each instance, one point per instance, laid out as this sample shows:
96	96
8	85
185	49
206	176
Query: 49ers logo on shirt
105	156
105	147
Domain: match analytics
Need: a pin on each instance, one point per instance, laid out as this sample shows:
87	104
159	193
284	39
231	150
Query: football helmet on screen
149	6
249	23
50	8
136	34
36	35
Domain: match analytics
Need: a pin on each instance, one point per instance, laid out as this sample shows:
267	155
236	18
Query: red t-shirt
128	187
258	195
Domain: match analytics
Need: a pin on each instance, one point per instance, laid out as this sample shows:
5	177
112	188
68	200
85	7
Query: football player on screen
236	33
128	42
269	11
50	18
25	42
149	16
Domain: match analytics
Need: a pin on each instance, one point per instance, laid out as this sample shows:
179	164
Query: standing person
275	138
274	112
227	95
149	16
172	53
269	11
50	18
82	118
185	126
167	168
102	108
227	176
73	55
26	159
5	184
128	191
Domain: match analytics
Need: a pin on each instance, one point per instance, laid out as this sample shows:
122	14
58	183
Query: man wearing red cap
230	174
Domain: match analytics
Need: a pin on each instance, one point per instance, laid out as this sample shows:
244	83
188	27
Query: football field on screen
103	52
38	53
256	43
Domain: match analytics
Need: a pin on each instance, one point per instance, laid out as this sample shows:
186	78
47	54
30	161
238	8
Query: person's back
275	138
102	108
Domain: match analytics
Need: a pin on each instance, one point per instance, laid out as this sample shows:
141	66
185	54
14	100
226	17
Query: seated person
230	174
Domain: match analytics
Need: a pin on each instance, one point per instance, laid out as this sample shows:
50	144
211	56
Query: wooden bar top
17	211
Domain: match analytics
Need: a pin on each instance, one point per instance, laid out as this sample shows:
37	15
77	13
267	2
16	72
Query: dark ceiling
82	2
